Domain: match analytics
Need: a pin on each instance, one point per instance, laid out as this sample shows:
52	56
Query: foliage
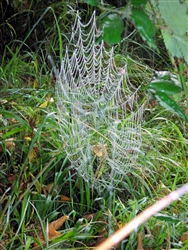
162	88
92	2
175	29
174	37
112	27
145	26
37	185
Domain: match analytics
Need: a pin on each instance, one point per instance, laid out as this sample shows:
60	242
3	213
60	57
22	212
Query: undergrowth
38	186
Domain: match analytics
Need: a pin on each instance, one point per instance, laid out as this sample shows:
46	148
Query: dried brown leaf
52	233
9	143
100	150
54	225
65	198
89	217
48	188
11	178
184	237
58	223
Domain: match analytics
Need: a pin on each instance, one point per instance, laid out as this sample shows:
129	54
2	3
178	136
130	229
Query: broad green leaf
145	26
167	218
174	14
170	104
92	2
177	45
138	2
112	27
165	86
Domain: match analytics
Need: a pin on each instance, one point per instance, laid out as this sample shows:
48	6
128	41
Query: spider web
98	108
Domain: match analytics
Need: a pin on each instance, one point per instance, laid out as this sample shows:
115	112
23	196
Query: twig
118	236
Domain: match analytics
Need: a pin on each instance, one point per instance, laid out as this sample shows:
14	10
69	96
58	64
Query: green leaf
177	45
174	14
82	236
170	104
92	2
145	26
112	27
175	17
13	132
69	235
138	2
165	86
167	218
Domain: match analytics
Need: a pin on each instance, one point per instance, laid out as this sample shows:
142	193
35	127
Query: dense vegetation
44	202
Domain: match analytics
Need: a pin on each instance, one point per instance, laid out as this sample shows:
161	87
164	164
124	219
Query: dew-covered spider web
98	108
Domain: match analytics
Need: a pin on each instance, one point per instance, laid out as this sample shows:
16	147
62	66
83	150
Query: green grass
32	157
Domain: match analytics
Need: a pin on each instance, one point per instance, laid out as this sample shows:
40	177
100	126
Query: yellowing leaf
32	155
35	84
37	183
100	170
44	104
28	138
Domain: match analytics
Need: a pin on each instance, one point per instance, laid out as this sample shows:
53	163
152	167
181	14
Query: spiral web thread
98	108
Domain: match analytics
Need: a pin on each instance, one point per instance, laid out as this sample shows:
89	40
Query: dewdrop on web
98	108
